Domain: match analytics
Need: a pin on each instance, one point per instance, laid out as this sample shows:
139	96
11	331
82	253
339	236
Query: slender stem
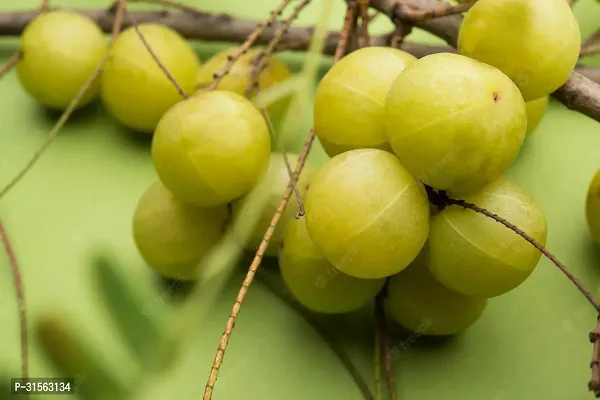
384	339
377	362
589	50
594	384
18	282
11	62
164	69
594	37
364	21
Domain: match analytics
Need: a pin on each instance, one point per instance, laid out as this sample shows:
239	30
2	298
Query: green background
530	344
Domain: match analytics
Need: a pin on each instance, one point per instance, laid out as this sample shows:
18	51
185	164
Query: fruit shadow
591	250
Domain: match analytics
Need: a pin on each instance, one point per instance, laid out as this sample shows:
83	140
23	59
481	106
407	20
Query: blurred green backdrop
530	344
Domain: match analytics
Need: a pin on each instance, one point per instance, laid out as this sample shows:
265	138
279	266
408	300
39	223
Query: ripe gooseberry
536	43
135	90
456	124
212	148
350	99
59	52
367	214
314	281
418	302
472	254
173	237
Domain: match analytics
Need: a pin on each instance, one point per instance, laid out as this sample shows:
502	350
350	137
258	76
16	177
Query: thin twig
594	383
18	282
589	50
120	12
345	34
286	161
444	11
164	69
65	115
441	199
384	340
241	296
11	62
270	281
364	21
231	59
593	38
377	362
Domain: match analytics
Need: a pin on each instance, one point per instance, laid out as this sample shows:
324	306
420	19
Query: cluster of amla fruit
453	122
391	124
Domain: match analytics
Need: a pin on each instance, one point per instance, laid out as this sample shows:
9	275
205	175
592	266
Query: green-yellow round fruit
535	112
173	237
418	302
135	90
279	178
212	148
536	43
314	282
438	119
593	207
474	255
60	51
367	214
350	99
239	77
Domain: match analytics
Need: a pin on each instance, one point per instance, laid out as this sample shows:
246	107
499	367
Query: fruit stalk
11	62
594	384
384	342
364	21
18	282
155	57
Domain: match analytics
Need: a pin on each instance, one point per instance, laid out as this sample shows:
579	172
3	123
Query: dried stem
265	241
589	50
262	58
384	340
286	161
11	62
270	280
364	21
377	361
156	59
349	20
218	76
120	12
594	384
18	282
593	38
444	11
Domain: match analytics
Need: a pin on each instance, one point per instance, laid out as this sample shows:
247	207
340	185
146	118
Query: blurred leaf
277	92
5	389
140	332
71	357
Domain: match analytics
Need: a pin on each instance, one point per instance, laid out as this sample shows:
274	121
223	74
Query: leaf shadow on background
140	331
70	356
